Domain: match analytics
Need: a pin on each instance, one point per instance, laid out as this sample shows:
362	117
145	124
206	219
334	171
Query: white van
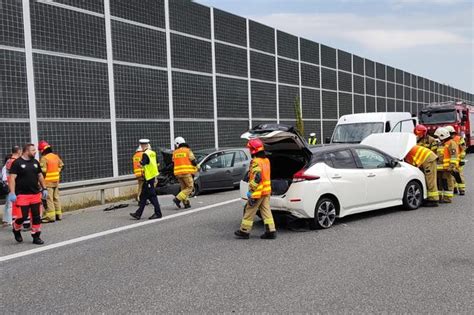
354	128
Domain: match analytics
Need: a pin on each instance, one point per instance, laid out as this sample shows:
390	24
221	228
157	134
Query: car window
371	159
243	156
228	159
239	157
327	159
214	161
342	159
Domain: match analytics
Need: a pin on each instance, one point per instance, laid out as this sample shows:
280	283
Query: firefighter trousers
429	169
53	204
186	183
251	208
446	185
460	181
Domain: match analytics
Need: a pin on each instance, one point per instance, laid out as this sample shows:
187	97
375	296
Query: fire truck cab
460	115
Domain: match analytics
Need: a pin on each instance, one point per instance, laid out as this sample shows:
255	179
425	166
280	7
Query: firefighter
185	166
424	139
447	164
312	140
426	160
459	176
138	170
51	166
149	164
258	196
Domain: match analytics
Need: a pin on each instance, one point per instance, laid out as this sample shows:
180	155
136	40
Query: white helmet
450	129
312	134
442	133
178	141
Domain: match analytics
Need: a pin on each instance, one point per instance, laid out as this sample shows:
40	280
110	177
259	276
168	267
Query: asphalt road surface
386	261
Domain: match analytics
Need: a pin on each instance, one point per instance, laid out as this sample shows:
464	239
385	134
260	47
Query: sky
430	38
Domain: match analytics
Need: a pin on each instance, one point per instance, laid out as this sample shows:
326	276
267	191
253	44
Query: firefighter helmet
450	129
421	131
178	141
43	145
255	145
442	133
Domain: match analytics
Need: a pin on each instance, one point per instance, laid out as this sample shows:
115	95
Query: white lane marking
111	231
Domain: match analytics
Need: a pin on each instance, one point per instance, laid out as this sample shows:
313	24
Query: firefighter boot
187	204
268	235
430	203
177	202
242	235
18	236
36	238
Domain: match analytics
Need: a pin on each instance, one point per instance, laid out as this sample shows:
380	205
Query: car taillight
300	176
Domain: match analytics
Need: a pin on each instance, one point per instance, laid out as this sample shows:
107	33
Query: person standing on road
27	188
312	140
185	166
7	210
258	196
149	164
51	166
424	139
447	164
10	206
138	170
460	186
426	160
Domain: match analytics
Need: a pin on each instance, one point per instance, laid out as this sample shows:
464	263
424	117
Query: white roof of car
373	117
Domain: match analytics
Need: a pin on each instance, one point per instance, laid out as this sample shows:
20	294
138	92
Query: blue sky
431	38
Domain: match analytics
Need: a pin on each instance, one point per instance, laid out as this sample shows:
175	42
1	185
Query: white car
333	181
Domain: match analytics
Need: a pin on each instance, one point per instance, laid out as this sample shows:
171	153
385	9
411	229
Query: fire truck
460	115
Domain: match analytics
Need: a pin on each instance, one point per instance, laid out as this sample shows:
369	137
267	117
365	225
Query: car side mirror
393	163
327	140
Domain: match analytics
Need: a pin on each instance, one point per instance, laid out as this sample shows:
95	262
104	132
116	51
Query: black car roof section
262	128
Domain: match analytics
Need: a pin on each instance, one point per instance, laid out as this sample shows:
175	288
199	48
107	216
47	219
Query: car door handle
336	176
228	172
371	175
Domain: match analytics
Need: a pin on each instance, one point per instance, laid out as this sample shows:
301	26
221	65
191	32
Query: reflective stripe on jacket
182	162
418	155
448	155
51	166
260	169
462	147
150	170
137	167
312	141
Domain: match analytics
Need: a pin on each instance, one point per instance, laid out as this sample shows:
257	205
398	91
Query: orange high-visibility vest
137	167
182	163
450	154
418	155
264	188
53	168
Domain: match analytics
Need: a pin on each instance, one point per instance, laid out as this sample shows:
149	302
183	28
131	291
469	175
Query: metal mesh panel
231	60
287	45
359	86
420	96
380	71
406	79
399	76
345	81
369	68
191	54
287	96
407	106
345	104
370	104
288	72
407	93
128	134
190	17
230	28
150	12
140	92
262	66
85	148
370	86
63	30
13	134
329	79
198	134
329	103
328	128
311	126
432	88
192	96
414	97
13	86
263	100
426	97
229	132
344	60
262	37
289	122
427	84
359	104
358	65
328	56
381	88
399	91
399	106
390	74
390	90
232	98
420	82
138	44
91	5
390	105
11	23
309	75
413	81
310	101
309	51
71	88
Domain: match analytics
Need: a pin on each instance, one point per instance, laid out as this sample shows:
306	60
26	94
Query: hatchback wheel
413	196
325	213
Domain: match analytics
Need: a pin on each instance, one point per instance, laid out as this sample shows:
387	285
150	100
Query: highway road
386	261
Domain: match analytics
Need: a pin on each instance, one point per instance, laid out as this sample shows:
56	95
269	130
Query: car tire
196	190
325	213
413	196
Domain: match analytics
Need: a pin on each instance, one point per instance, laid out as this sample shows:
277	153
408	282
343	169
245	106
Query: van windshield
431	117
355	133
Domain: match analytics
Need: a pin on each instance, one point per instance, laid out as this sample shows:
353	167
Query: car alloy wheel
325	213
413	196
